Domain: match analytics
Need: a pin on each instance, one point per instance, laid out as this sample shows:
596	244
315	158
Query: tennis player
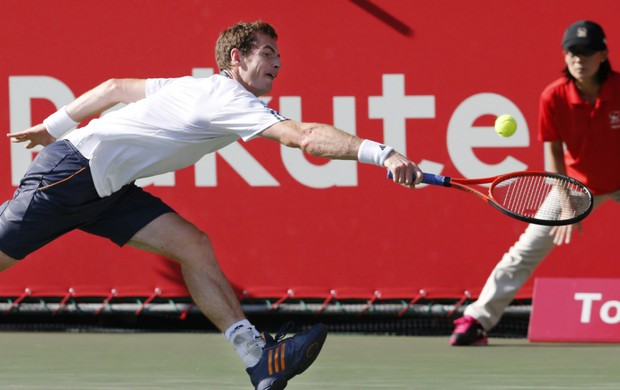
84	179
579	123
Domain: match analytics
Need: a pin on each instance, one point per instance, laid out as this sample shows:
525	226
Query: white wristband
59	123
371	152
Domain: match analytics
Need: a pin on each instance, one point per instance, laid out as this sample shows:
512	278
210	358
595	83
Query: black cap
584	33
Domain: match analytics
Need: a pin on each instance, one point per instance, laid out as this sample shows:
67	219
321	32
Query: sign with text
575	310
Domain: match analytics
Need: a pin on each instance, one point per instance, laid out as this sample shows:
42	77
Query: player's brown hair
240	36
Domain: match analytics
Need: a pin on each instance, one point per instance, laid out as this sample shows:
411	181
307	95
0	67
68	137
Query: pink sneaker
468	331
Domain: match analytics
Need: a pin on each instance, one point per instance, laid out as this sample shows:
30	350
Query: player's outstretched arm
93	102
104	96
322	140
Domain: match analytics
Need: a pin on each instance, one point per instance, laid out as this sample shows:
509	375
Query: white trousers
515	268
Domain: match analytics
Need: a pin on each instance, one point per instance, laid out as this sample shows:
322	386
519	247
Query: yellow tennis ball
505	125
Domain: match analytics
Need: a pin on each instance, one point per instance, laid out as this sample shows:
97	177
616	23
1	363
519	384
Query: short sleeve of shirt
213	107
154	85
245	115
547	125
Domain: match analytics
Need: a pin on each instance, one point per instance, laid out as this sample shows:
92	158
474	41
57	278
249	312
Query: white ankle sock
247	342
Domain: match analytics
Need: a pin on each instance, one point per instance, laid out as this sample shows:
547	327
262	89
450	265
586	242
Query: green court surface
104	361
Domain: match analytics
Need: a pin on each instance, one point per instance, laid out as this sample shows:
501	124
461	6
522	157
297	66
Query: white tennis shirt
178	122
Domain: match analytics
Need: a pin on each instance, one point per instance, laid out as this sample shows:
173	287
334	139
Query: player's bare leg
173	236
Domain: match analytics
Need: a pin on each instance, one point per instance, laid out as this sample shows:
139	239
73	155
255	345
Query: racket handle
429	178
436	180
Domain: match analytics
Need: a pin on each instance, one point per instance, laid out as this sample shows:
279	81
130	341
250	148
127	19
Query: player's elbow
308	141
110	91
111	86
120	90
304	136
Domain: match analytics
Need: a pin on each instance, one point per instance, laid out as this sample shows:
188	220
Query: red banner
425	77
575	310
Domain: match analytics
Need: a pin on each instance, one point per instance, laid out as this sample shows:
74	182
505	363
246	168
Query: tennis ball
505	125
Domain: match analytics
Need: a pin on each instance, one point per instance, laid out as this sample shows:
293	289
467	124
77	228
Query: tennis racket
541	198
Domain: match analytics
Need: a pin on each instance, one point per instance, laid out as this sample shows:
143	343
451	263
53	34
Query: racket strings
542	197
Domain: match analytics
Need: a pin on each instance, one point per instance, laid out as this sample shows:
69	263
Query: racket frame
464	185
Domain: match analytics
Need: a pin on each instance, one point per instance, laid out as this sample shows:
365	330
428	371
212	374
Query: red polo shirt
591	133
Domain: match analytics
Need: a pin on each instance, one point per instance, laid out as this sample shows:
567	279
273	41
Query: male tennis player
579	122
85	179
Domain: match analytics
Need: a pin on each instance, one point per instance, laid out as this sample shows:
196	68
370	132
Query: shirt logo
614	119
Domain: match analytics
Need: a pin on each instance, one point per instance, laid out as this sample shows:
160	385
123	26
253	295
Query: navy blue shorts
57	195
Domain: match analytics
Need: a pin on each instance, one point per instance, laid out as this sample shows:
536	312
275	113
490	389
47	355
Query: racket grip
429	178
436	180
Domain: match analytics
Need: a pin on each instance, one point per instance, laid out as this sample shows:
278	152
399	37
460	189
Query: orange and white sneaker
468	331
283	359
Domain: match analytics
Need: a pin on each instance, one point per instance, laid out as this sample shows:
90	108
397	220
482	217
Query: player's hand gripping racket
541	198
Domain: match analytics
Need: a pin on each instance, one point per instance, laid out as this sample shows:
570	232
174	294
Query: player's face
260	67
583	63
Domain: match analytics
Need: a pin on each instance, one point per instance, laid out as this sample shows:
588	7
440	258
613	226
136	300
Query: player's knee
197	249
202	242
